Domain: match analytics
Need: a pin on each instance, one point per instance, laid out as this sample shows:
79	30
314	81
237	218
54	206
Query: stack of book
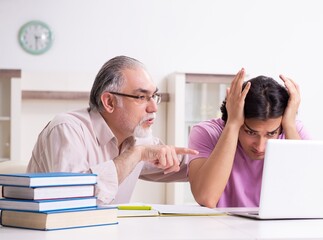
50	201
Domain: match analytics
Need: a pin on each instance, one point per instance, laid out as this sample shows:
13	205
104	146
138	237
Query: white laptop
292	181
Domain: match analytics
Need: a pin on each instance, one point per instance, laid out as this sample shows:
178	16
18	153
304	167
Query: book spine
62	228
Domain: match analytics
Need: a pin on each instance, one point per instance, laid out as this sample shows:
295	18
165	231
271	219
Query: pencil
134	207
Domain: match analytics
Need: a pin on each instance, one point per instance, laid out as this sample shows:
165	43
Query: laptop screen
292	182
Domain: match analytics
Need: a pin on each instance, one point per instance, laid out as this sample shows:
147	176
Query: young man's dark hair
266	99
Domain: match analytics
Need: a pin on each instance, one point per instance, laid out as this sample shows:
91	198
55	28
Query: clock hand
37	37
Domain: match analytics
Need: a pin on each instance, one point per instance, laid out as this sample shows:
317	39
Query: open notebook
168	210
292	181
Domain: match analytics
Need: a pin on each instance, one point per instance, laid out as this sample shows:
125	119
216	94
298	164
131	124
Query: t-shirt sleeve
203	138
304	134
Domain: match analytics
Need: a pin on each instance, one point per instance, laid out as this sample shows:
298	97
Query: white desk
216	227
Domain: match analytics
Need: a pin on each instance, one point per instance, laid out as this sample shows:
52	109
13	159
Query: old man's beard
144	131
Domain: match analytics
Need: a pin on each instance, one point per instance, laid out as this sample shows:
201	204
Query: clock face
35	37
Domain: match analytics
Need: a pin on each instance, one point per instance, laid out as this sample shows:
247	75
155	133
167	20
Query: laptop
292	181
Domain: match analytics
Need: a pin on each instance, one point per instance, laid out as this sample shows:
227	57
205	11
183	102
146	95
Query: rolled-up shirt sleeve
107	182
150	172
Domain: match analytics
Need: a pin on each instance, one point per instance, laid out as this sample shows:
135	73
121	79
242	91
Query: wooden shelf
57	95
4	118
208	78
10	73
66	95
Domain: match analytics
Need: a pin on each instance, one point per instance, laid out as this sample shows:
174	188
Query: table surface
181	227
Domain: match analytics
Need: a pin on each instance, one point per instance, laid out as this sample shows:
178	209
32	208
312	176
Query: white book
39	193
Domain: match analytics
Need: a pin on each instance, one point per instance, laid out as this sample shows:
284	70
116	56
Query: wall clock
35	37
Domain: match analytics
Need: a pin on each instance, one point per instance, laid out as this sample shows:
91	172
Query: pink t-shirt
244	184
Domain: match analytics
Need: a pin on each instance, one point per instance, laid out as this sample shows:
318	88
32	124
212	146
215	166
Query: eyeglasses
141	99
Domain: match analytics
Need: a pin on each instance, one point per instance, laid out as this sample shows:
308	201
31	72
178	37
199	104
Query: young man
227	172
112	137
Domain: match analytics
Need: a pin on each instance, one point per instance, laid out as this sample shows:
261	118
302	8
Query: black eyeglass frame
156	96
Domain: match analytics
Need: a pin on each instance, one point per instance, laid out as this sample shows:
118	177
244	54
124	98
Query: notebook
292	181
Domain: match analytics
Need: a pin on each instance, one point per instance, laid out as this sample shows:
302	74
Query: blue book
58	220
47	205
47	179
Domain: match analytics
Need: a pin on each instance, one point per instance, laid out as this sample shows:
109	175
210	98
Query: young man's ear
108	101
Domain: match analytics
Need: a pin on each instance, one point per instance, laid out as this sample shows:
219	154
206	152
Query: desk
202	227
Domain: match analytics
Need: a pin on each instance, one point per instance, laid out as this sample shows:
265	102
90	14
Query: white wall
207	36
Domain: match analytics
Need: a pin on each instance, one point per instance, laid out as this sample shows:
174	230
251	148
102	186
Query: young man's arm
289	117
208	176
